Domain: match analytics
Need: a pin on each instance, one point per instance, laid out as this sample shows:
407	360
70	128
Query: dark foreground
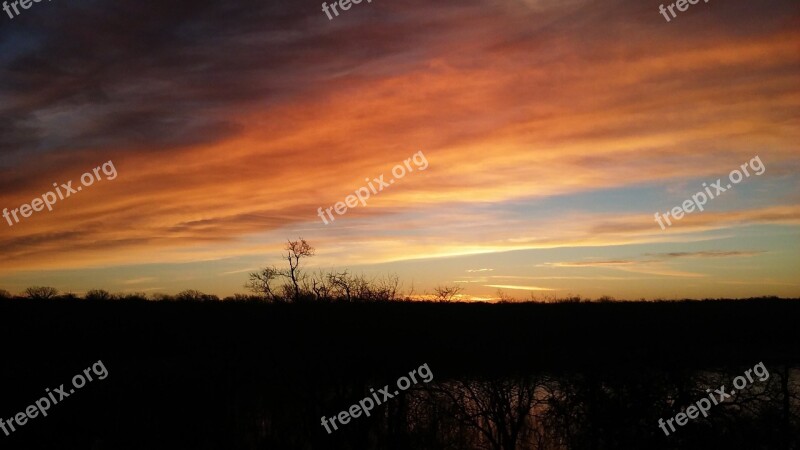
225	375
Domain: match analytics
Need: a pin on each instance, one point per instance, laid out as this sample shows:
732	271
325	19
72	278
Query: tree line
290	284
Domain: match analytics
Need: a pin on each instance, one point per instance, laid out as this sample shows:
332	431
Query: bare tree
5	294
287	292
261	282
410	294
342	284
297	287
296	250
387	287
504	297
446	293
362	288
320	286
502	410
41	292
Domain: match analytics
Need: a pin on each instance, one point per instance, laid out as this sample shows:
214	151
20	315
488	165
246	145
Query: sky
552	132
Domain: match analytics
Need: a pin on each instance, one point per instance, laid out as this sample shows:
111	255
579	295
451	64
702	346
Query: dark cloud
148	75
657	257
16	133
153	75
20	246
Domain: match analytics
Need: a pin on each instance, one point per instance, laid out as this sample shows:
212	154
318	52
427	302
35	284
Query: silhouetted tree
386	288
132	296
296	250
197	296
287	292
261	282
504	297
446	293
320	286
342	285
5	294
362	288
41	292
243	298
98	294
502	410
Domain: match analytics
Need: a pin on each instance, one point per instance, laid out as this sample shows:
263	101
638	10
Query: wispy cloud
598	277
138	280
704	254
520	288
232	272
649	267
612	263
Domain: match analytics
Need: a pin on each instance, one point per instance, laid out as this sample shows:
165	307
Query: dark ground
245	375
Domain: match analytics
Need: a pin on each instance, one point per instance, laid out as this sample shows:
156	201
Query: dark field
248	375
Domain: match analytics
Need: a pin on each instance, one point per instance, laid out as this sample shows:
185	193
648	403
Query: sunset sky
554	130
